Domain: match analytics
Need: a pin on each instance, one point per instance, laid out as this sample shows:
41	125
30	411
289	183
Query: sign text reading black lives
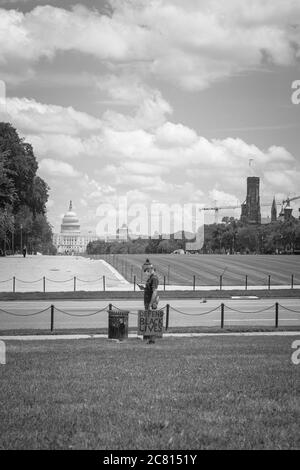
150	322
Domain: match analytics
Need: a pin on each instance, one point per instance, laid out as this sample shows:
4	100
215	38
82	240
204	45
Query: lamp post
21	227
13	240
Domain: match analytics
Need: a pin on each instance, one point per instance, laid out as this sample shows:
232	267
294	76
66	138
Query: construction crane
218	208
286	202
290	199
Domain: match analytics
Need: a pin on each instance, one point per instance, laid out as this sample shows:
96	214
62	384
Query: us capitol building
70	241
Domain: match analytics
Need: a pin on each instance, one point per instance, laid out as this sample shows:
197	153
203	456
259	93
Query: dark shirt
151	285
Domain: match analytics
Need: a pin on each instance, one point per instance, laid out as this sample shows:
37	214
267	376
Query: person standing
24	252
151	293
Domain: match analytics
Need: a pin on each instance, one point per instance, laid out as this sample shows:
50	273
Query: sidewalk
134	335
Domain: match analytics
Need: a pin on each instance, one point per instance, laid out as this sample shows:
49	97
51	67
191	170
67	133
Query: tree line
231	236
23	197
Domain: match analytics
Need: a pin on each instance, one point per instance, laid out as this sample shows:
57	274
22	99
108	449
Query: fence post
52	318
103	283
134	282
222	315
221	282
44	284
167	316
269	282
14	284
74	283
110	307
164	282
194	282
246	282
276	314
292	281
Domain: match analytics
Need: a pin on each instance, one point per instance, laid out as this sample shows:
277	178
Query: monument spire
274	211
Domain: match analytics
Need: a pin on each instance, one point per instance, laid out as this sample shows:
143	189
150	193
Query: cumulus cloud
191	44
56	168
175	135
170	162
32	116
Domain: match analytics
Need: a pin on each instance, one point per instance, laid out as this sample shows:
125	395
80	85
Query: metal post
44	284
14	284
164	282
292	281
52	318
194	282
167	316
110	307
221	282
276	314
222	315
269	282
103	283
134	282
74	283
246	282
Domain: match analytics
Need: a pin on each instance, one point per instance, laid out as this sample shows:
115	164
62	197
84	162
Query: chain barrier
52	280
93	280
81	315
7	280
24	314
253	311
289	309
28	282
161	308
194	314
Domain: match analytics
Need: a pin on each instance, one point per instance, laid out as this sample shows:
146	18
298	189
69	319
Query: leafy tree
23	194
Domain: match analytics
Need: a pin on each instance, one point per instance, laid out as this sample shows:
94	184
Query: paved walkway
134	335
58	274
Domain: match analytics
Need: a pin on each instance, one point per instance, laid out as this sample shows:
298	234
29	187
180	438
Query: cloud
190	44
56	168
32	116
170	162
175	135
166	161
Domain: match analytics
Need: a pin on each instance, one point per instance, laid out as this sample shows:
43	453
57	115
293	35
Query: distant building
288	212
250	209
122	234
70	240
274	211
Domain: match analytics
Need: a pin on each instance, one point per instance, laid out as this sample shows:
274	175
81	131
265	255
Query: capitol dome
70	222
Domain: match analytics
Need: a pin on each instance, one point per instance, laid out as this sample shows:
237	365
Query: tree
23	194
7	189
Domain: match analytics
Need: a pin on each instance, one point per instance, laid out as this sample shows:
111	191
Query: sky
158	101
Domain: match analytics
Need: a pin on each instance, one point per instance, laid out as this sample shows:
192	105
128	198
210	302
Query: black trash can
118	324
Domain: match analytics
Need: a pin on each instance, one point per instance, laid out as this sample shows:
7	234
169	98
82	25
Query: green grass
208	393
121	295
133	330
180	269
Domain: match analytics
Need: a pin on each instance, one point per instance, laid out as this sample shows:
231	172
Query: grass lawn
180	269
207	393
